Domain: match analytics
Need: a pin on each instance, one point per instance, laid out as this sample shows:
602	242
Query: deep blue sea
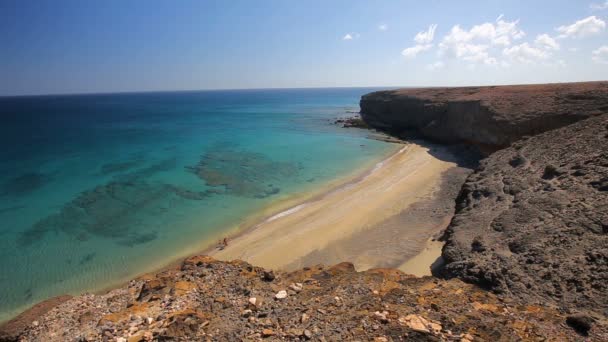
96	189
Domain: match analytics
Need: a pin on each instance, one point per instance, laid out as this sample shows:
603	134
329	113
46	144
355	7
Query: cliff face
488	116
205	299
532	220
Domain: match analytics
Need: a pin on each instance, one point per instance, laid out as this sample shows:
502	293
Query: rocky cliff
532	220
487	116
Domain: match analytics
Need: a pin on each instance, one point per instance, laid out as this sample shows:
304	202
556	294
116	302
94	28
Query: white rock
297	287
281	294
121	339
253	300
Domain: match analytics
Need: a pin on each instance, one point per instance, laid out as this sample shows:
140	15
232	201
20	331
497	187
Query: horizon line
280	88
190	90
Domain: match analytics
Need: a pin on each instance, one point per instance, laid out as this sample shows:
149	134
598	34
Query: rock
581	323
253	301
268	333
381	316
297	287
268	275
380	339
304	318
466	338
307	334
246	313
281	294
420	324
121	339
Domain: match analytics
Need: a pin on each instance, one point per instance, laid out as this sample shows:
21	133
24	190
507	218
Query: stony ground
205	299
532	221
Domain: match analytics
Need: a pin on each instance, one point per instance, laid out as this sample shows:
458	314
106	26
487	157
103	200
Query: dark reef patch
243	173
24	184
87	258
114	210
120	166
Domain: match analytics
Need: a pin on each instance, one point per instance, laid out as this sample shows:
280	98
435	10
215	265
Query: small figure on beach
222	244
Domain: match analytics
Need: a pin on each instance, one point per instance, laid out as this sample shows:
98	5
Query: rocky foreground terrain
204	299
526	254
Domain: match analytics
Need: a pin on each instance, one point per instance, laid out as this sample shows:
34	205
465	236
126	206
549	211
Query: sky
82	46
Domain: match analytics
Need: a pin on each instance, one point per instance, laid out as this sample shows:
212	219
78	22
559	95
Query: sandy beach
383	219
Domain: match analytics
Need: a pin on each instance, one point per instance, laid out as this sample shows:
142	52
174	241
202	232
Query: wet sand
381	220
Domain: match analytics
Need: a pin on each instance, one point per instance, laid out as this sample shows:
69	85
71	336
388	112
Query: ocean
96	189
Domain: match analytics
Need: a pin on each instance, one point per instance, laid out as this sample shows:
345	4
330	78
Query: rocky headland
491	117
526	252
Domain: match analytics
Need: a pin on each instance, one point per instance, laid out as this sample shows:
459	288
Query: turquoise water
95	189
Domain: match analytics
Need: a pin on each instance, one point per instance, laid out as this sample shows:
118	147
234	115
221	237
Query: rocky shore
526	253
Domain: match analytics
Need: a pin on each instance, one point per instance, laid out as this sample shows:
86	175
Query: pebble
307	334
381	316
297	287
268	275
281	294
253	300
304	318
267	332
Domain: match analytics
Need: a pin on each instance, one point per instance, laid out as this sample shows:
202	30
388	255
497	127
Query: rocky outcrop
204	299
487	116
532	221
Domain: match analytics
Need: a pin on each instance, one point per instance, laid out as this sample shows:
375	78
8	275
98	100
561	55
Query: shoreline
208	245
281	209
340	225
249	222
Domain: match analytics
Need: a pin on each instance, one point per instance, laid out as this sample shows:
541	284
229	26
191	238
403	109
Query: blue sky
111	46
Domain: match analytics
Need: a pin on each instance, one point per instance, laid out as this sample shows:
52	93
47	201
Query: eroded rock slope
532	220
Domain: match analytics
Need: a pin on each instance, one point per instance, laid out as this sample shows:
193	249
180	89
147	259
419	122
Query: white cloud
600	55
599	7
546	42
423	41
426	37
411	52
474	45
525	53
582	28
573	49
382	27
351	36
435	66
